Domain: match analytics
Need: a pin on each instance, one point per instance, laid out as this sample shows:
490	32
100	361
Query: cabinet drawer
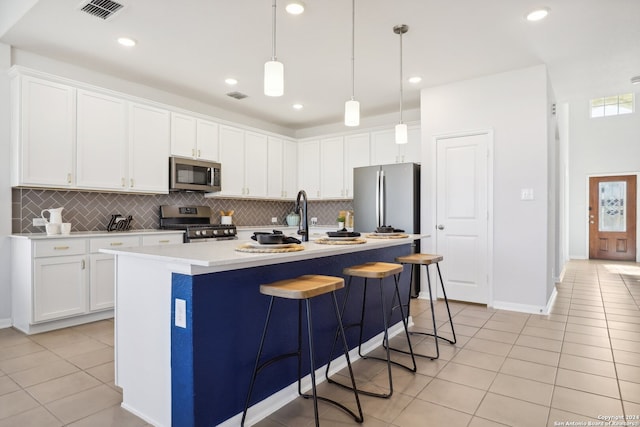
58	247
164	239
115	242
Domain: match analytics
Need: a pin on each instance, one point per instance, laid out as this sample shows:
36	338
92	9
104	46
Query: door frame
434	201
586	222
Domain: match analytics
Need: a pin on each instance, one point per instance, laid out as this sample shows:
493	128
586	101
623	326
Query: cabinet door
384	149
101	141
59	287
412	152
232	160
149	136
332	168
309	168
275	157
207	142
255	167
290	169
183	135
356	154
102	282
47	134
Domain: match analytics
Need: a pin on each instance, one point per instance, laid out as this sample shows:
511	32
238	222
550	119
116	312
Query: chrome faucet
303	227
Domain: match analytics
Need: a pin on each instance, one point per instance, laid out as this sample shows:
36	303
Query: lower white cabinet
60	282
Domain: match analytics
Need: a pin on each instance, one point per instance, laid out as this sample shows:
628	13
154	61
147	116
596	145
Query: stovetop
196	221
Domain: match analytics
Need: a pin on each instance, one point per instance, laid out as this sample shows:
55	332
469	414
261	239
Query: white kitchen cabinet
290	170
282	182
149	138
332	168
255	166
43	132
59	279
356	154
232	160
309	168
384	149
101	160
193	137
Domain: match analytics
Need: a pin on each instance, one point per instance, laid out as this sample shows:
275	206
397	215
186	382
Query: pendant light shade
401	128
352	113
273	70
273	78
352	107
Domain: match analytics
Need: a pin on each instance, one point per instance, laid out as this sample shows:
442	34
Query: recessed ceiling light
538	14
297	106
126	41
231	81
294	7
635	80
415	79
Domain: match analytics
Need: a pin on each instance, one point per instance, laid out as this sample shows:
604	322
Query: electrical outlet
274	220
181	313
39	222
314	220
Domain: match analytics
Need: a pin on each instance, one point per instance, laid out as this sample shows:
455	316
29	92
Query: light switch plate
39	222
181	313
526	194
274	220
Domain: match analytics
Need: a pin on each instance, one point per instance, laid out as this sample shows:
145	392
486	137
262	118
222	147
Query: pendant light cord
353	49
273	32
401	85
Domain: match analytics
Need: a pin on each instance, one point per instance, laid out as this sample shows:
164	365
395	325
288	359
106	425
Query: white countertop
205	257
87	234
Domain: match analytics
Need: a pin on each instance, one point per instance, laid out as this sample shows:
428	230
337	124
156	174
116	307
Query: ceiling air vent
237	95
102	9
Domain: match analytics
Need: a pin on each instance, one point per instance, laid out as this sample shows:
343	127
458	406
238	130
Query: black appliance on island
196	222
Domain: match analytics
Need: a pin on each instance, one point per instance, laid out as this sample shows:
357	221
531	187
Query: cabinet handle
68	178
247	190
131	182
122	182
82	265
163	241
198	153
115	243
61	248
193	152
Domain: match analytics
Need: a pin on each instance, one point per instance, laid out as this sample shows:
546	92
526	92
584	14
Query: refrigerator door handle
377	198
382	223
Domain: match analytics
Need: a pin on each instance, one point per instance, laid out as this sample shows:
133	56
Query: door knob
591	222
440	227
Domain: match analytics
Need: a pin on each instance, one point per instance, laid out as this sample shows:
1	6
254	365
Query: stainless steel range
196	221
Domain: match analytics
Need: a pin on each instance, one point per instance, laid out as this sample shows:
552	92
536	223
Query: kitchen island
189	318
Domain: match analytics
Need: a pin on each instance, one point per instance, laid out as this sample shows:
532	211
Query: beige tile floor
579	363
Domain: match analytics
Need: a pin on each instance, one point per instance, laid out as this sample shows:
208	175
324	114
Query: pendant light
401	128
352	107
273	70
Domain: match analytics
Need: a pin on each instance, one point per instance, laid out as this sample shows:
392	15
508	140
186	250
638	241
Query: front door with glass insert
612	218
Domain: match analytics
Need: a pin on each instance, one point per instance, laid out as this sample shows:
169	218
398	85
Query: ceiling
591	48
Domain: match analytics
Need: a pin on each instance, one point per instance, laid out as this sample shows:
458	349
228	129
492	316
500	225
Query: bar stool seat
304	288
375	270
426	260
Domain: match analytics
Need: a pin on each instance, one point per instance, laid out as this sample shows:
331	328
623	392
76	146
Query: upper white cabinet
43	132
148	149
356	154
309	168
255	167
384	149
243	156
282	181
332	168
193	137
101	160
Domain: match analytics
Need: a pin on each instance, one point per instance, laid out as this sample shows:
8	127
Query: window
612	105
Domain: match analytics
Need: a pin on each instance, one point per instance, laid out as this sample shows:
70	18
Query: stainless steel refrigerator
387	195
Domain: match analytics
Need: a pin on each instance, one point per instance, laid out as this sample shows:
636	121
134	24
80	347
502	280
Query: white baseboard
5	323
266	407
526	308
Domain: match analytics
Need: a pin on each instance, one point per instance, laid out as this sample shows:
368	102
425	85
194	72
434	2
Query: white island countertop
208	257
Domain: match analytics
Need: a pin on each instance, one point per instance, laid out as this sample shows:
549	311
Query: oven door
194	175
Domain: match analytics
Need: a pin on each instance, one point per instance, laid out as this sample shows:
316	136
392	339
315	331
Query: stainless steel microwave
194	175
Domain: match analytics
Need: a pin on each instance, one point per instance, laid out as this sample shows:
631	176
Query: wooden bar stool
304	288
426	260
375	270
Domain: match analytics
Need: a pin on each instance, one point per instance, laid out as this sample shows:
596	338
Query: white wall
515	105
5	188
601	146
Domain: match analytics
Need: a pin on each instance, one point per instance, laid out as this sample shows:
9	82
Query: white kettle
55	215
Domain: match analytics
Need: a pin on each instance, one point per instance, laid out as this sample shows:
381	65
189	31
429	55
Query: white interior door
462	194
